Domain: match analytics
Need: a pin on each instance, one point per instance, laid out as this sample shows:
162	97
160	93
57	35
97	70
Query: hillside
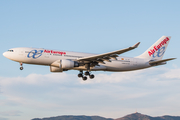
74	118
134	116
138	116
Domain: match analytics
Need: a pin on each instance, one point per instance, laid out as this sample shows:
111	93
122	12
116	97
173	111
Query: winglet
136	45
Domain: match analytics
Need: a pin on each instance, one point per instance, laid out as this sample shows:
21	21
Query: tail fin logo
160	52
157	48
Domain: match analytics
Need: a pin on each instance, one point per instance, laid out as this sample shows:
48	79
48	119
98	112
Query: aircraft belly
96	68
124	66
118	66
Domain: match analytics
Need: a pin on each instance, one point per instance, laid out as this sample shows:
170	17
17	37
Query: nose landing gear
84	76
21	66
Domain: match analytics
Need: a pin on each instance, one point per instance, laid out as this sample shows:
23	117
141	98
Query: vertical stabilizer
157	50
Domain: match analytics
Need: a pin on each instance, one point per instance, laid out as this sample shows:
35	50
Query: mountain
139	116
74	118
134	116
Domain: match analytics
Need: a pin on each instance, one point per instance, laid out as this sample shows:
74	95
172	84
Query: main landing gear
84	76
21	66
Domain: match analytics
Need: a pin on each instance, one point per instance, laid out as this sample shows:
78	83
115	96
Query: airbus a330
60	61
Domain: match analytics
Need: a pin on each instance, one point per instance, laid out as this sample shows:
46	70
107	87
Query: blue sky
95	27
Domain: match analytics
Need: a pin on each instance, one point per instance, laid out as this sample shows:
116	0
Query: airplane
60	61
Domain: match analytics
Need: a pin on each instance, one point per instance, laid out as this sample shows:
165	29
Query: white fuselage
42	56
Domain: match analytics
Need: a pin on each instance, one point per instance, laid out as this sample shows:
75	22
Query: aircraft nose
5	54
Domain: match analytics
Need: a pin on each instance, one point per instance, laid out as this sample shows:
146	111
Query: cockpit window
10	51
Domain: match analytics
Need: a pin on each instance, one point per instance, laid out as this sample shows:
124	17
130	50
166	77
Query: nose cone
5	54
8	55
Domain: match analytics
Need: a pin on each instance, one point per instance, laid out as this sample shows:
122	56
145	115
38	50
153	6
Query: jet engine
63	65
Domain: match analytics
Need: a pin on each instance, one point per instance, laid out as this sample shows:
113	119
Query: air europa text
54	52
156	48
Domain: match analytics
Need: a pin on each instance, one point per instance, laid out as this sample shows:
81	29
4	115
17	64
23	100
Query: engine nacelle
55	69
68	64
63	65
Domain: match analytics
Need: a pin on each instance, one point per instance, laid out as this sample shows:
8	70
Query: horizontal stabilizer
159	62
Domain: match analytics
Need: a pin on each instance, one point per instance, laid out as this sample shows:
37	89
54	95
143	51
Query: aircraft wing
107	56
158	62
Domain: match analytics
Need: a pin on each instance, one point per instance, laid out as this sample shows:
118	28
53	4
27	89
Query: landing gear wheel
84	78
80	75
21	68
91	76
87	73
